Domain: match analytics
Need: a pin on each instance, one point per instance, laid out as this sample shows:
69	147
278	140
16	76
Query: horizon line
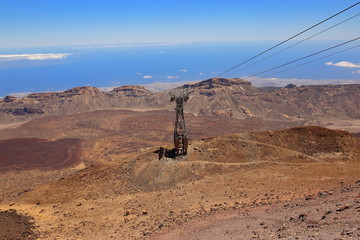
145	44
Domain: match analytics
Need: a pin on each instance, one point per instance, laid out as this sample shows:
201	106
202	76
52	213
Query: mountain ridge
216	96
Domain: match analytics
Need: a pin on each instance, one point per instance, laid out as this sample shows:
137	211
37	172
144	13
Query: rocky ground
15	227
259	178
121	190
54	147
331	214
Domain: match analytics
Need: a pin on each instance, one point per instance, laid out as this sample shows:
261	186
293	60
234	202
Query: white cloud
344	64
357	71
200	73
138	73
148	77
184	70
172	77
35	56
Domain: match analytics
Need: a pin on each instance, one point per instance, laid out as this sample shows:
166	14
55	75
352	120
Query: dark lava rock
291	85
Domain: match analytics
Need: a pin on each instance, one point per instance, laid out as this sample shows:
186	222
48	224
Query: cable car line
302	58
295	44
313	61
296	35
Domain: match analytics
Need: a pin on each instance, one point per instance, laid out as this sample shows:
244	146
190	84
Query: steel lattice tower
180	136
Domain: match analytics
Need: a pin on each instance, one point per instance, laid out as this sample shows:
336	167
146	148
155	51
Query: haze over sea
125	64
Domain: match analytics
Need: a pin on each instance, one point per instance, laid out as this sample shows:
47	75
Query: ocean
125	64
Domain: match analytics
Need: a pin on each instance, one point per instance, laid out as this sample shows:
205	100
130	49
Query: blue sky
48	45
76	22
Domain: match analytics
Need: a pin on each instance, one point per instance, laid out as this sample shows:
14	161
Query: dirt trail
12	125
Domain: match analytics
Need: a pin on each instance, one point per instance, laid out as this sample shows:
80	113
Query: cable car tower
179	96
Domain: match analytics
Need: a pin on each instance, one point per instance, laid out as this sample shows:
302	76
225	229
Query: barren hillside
82	162
66	143
213	97
137	196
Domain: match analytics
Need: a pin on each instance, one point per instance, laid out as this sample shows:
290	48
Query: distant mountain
216	96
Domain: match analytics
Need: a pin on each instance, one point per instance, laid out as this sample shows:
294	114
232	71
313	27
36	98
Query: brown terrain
81	164
217	96
332	214
14	226
33	153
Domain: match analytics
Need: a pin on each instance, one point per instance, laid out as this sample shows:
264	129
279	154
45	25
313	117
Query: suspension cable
313	61
348	19
298	34
299	59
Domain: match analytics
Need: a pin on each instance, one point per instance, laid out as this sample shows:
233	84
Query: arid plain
261	164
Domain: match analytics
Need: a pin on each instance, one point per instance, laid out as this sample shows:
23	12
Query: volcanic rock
9	99
291	85
131	91
216	96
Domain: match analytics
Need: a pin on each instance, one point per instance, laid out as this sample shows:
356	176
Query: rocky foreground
15	226
281	183
331	214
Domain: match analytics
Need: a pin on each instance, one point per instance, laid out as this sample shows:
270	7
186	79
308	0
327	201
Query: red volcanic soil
33	153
